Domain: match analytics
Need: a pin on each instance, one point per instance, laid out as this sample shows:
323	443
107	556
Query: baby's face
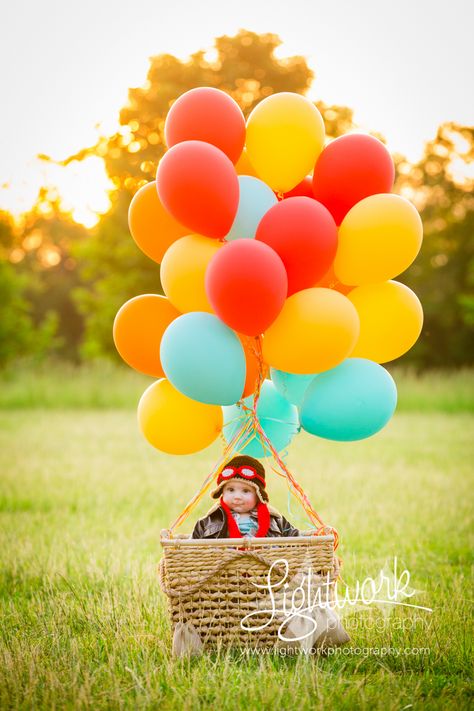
239	496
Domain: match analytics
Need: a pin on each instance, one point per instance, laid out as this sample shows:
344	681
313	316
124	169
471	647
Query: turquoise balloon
352	401
203	359
256	198
293	387
279	420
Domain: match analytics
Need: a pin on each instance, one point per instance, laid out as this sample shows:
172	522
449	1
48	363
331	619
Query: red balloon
350	169
209	115
305	188
246	284
198	185
303	233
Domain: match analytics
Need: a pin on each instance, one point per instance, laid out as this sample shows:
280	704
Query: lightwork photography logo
307	604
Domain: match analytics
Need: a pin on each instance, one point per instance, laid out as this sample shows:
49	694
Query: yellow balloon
391	318
378	239
175	424
183	271
285	135
316	329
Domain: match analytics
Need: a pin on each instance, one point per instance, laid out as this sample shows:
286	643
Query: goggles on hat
245	471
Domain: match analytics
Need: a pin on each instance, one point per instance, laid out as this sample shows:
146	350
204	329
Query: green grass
104	385
58	384
83	621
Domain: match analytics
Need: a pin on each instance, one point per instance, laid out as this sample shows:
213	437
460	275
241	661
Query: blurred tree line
61	285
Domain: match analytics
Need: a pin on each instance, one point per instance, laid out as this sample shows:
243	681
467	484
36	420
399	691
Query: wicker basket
213	583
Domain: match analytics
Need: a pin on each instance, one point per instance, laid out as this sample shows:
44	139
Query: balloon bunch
268	271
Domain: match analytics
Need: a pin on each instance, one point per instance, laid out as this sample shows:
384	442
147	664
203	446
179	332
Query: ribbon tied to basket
253	428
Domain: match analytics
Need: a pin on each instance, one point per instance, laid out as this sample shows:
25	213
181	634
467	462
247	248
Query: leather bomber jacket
214	525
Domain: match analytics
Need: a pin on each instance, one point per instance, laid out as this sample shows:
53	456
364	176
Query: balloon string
252	428
231	422
240	435
321	528
210	477
275	419
295	488
294	516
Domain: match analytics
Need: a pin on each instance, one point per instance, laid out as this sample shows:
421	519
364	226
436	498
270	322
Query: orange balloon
138	328
152	227
315	331
330	281
252	348
244	166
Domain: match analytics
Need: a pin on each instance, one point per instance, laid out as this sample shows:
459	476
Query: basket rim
244	542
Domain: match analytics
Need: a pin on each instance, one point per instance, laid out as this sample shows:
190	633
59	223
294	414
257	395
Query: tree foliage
443	274
62	285
21	335
246	67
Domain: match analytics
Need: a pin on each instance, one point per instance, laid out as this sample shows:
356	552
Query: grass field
104	385
82	502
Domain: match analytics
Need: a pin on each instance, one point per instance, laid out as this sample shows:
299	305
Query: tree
40	250
62	285
244	66
443	274
20	336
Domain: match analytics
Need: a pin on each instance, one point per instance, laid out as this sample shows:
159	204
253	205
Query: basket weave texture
213	584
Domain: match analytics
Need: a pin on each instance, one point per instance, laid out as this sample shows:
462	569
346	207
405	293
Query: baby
243	509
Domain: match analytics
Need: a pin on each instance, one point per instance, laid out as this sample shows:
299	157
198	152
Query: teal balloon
278	418
293	387
352	401
204	359
256	198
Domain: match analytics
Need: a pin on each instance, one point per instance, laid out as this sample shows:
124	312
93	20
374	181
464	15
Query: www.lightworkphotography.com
339	651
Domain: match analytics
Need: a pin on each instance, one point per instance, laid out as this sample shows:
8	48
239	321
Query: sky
66	67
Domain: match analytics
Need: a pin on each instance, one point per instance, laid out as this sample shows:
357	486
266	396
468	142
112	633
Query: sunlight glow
49	256
77	71
461	172
83	188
